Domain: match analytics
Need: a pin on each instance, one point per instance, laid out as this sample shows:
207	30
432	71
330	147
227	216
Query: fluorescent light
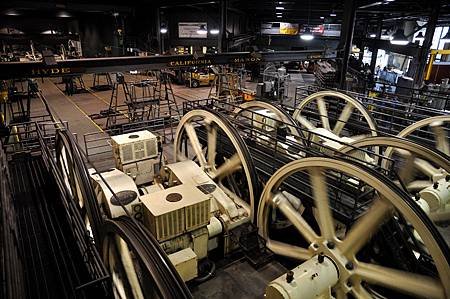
307	35
116	14
373	35
63	14
332	14
279	7
279	13
322	18
399	38
214	31
163	30
12	12
279	16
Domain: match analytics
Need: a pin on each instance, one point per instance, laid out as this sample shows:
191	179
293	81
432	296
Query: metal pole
373	58
428	40
158	29
345	43
222	40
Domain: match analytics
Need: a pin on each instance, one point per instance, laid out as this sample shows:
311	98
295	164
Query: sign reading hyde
50	71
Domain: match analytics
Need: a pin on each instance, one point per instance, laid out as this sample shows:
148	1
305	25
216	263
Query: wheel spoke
195	143
425	167
340	294
366	226
405	282
323	113
294	217
406	173
343	118
127	262
212	143
320	193
441	137
306	123
359	292
289	250
360	137
230	166
418	185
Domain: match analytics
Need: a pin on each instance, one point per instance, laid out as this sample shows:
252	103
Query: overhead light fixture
280	2
202	30
307	35
322	18
63	14
48	32
163	30
279	13
279	7
214	31
279	16
389	0
12	12
116	14
373	35
399	38
333	14
446	37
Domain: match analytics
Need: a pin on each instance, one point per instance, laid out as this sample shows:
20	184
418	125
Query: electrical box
136	154
171	212
185	261
134	147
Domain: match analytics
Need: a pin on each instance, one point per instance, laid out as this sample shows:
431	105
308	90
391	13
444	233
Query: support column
222	38
373	59
345	43
158	29
421	61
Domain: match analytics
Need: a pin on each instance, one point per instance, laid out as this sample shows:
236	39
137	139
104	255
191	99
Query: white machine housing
136	154
124	188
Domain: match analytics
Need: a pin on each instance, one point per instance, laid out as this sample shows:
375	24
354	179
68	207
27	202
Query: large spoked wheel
367	266
433	128
411	165
211	141
332	123
77	182
138	267
249	112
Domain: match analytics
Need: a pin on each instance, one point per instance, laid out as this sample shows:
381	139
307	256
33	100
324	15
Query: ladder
226	86
167	106
113	110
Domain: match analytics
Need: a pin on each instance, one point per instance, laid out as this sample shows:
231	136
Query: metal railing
12	272
270	149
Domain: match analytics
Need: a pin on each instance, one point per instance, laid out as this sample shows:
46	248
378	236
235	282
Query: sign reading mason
246	60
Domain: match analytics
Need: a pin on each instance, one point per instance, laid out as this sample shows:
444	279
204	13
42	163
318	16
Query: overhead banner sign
190	30
288	28
275	28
